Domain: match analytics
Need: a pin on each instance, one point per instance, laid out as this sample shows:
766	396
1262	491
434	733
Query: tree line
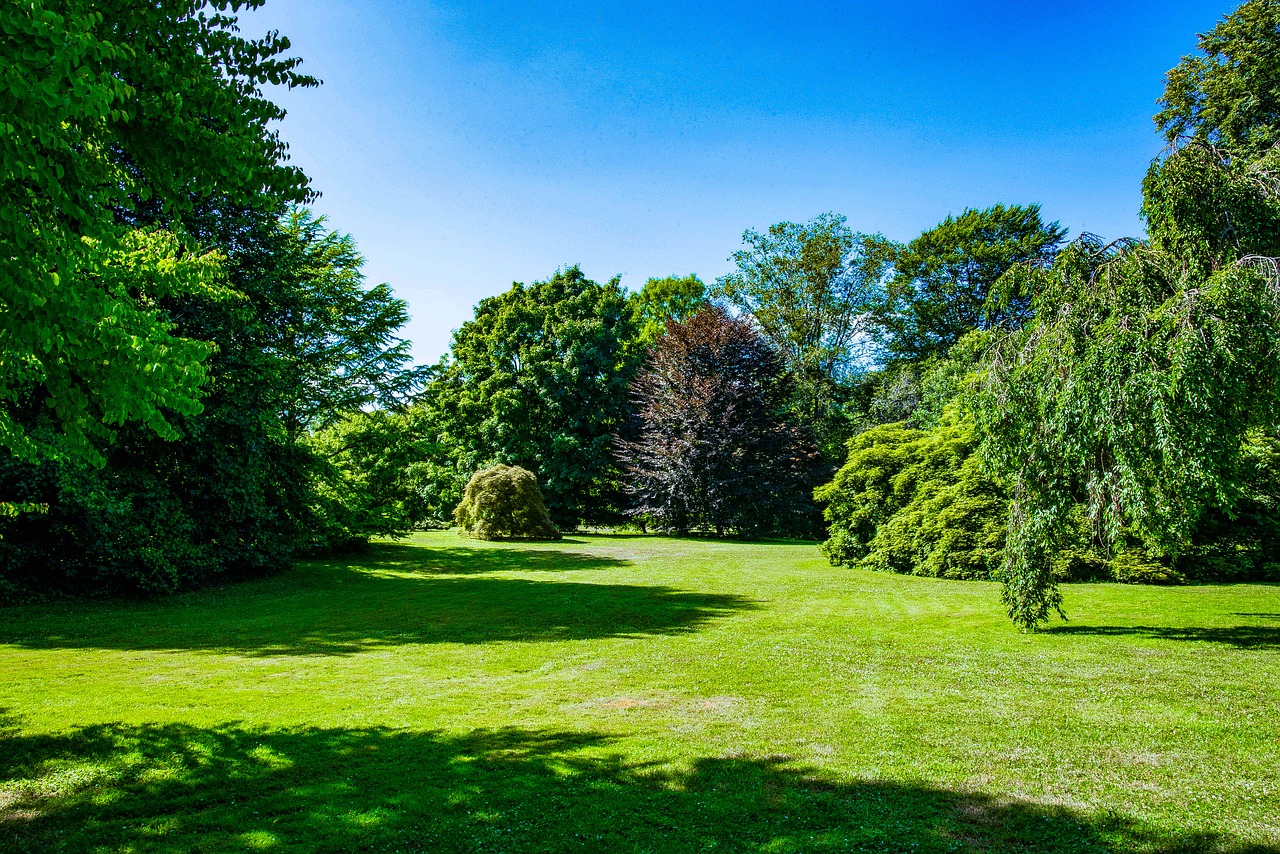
197	382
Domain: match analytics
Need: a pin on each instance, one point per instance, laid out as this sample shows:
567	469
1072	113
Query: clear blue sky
467	144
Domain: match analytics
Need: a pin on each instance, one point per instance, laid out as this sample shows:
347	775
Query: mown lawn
638	694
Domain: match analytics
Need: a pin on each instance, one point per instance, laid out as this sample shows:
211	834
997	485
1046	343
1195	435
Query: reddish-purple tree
712	449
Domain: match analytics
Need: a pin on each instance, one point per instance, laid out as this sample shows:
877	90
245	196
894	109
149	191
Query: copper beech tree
713	450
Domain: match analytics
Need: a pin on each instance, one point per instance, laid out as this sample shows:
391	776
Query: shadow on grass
473	560
1240	637
177	788
394	596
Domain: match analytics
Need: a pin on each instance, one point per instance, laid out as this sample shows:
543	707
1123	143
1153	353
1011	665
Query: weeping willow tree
1148	364
1131	394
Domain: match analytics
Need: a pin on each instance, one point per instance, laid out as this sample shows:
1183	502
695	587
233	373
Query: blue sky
468	144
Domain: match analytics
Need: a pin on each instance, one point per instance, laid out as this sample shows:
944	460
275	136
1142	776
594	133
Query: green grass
638	694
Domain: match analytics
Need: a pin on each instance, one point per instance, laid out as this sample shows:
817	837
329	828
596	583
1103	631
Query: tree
1131	393
1213	198
370	470
110	107
502	503
1227	95
945	282
336	345
539	380
663	300
233	494
808	287
714	451
1148	367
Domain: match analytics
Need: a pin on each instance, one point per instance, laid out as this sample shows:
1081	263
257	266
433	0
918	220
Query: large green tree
947	282
539	380
336	345
809	286
108	107
233	493
1151	368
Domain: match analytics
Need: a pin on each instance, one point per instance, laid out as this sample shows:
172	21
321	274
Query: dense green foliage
539	379
808	286
1227	94
337	350
371	473
662	300
1148	366
107	108
637	694
947	282
916	501
504	503
1131	394
234	492
713	449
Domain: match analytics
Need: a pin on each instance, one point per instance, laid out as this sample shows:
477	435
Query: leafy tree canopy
1131	394
946	282
714	451
502	503
808	287
1148	367
337	347
663	300
106	107
539	379
916	501
1229	94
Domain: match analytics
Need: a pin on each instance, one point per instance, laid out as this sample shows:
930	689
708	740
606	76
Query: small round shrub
504	503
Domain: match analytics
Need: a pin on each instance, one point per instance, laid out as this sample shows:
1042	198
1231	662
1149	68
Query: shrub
504	502
1134	566
916	501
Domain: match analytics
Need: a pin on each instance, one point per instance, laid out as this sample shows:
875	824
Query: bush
916	501
503	503
1134	566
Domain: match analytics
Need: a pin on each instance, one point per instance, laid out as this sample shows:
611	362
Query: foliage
1130	393
1208	208
1226	95
947	282
233	494
539	379
662	300
371	467
920	392
916	501
1148	368
337	348
105	108
808	287
504	503
713	450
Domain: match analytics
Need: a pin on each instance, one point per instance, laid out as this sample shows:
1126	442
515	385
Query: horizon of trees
197	382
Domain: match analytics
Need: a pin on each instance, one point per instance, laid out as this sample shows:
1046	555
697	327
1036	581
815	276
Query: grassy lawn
638	694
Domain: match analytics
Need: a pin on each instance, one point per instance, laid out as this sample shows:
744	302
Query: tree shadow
474	560
179	788
398	595
1240	637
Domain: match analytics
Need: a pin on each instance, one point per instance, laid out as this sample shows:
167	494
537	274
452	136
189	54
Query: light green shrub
915	501
503	503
